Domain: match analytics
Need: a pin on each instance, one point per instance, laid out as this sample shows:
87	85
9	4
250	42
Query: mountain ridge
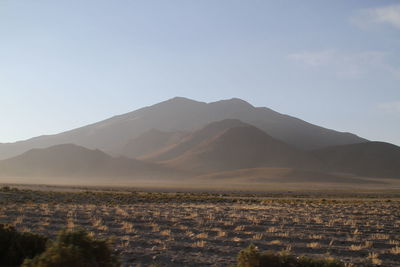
242	147
373	159
69	160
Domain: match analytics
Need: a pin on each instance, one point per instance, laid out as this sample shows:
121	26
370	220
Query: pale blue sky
64	64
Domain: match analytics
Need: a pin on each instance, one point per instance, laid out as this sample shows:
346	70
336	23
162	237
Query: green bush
16	246
76	249
251	257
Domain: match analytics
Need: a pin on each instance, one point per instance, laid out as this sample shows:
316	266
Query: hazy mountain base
250	180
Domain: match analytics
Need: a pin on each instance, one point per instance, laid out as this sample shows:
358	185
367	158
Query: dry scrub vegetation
198	229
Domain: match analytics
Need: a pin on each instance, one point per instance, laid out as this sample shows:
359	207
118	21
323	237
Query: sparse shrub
16	246
251	257
75	249
5	188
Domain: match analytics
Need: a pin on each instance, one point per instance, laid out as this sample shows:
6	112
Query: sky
68	63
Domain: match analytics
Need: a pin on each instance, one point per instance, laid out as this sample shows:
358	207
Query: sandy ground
209	229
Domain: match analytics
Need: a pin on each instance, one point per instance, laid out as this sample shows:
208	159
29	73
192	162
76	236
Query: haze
66	64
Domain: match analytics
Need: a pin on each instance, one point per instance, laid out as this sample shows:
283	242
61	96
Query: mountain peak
237	100
233	101
180	99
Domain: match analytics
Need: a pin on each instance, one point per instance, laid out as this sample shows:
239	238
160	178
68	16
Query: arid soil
200	229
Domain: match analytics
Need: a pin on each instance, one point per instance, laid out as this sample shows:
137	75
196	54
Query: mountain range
187	139
185	115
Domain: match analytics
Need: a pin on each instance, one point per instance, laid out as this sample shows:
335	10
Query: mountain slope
181	114
371	159
194	139
150	142
239	148
68	160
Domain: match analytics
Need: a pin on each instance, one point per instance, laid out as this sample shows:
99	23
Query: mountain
240	148
68	160
181	114
373	159
149	142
